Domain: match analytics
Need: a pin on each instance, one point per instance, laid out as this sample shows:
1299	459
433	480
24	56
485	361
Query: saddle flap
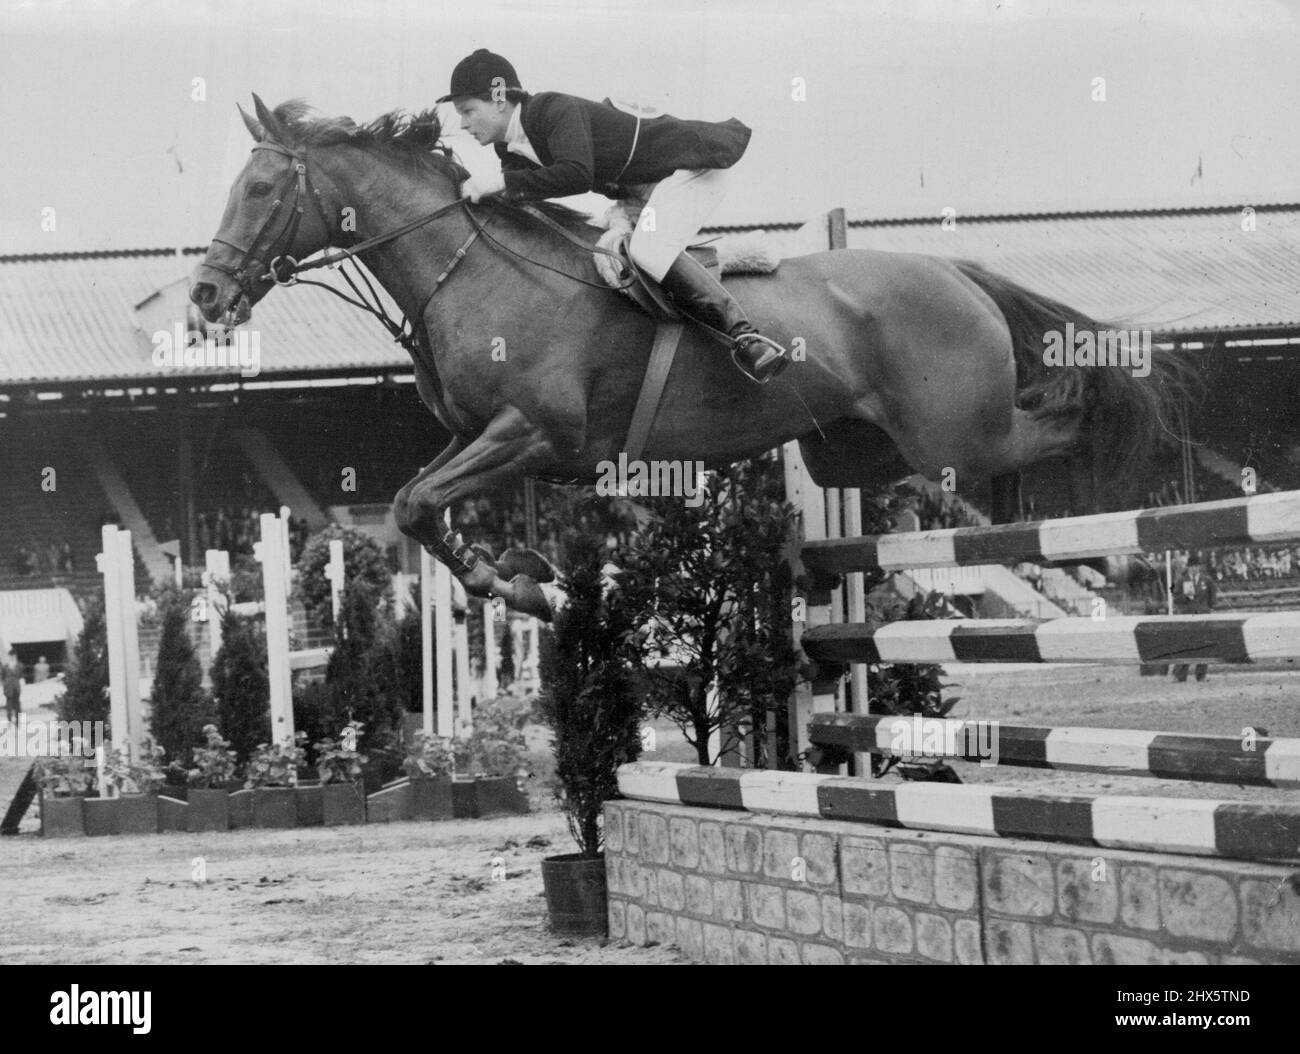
644	290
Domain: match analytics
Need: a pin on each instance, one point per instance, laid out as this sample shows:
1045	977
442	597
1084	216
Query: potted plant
496	754
588	702
272	775
65	781
137	784
338	763
210	777
430	761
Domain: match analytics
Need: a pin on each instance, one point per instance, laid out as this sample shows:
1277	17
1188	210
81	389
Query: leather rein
284	270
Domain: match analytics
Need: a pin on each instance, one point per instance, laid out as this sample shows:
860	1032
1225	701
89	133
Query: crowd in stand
30	559
1239	565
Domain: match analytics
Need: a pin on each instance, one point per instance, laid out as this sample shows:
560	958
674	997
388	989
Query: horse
902	362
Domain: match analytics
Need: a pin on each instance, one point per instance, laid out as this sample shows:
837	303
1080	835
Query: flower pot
499	794
208	810
311	805
173	813
344	803
577	902
275	807
464	799
62	817
138	814
102	816
241	809
432	799
390	804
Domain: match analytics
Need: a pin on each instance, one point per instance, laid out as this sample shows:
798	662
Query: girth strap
652	387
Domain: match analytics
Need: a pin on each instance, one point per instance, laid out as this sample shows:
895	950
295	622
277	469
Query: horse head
274	215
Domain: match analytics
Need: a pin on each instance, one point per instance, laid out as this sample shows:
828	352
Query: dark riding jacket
585	145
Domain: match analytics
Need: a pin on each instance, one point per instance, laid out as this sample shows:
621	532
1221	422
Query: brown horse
908	362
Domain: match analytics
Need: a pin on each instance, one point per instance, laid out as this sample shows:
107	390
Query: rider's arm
563	126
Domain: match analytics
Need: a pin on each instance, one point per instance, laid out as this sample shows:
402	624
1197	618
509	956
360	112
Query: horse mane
415	138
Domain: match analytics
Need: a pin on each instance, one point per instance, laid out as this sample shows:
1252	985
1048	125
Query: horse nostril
203	293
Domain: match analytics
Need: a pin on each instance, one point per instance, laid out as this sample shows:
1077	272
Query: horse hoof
528	562
484	552
527	597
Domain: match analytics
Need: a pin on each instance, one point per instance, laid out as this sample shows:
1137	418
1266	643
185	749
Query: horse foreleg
502	455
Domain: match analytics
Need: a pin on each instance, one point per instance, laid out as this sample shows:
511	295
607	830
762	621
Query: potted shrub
496	754
588	702
210	777
137	784
272	775
430	761
338	763
65	781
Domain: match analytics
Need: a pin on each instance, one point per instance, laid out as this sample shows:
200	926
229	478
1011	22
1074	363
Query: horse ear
254	129
271	127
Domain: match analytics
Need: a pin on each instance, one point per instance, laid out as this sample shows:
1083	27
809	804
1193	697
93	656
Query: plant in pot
211	775
272	776
430	761
588	702
496	754
338	763
65	779
136	784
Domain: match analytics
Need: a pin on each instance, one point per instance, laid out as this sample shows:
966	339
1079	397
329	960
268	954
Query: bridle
297	178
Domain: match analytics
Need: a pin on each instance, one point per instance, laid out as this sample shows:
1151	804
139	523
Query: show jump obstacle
821	867
1195	826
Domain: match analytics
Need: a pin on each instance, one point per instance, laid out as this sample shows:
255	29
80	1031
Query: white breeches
675	209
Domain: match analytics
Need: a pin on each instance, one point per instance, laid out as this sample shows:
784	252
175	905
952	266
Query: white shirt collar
516	141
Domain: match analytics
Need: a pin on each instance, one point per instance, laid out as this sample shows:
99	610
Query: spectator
11	679
41	671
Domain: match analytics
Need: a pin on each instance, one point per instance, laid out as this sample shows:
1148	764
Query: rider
552	145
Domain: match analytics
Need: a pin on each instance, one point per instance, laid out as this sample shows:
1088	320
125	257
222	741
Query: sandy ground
386	893
426	892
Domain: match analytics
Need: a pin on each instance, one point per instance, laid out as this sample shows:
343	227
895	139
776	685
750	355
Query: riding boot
699	296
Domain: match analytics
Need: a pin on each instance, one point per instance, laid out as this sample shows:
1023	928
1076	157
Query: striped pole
1258	520
1193	826
1262	761
1121	640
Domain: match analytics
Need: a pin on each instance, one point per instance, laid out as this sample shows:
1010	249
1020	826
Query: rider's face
485	121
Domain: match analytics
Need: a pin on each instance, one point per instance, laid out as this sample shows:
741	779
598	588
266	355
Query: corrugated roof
1173	271
91	316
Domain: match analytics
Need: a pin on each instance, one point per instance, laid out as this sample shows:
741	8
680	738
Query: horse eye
259	190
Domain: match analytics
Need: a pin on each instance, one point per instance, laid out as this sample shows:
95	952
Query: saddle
745	253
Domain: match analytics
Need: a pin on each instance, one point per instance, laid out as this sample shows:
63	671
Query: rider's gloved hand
476	188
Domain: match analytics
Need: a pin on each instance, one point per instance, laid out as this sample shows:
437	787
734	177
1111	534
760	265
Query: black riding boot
699	296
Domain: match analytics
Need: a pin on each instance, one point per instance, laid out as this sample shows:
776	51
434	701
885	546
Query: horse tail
1125	417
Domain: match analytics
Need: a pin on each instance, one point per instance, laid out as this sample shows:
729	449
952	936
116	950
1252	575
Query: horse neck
388	194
